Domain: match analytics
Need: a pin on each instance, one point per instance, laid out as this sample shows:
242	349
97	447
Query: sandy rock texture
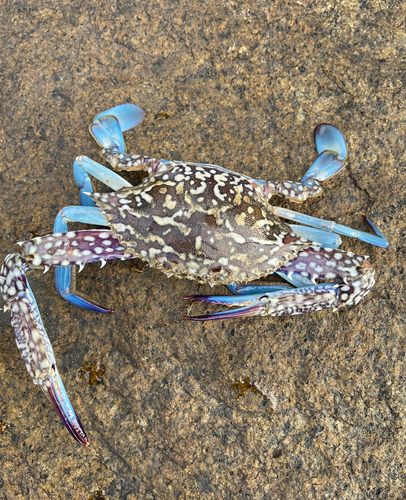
179	410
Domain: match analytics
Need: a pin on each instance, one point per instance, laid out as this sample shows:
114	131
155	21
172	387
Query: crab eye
217	269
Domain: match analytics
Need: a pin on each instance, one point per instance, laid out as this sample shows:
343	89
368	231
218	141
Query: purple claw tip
55	392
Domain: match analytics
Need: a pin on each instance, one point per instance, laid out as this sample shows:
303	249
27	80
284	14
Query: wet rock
240	84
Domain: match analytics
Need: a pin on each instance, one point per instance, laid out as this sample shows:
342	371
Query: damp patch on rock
256	388
3	426
92	372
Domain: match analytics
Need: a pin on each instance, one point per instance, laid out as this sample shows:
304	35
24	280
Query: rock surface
177	410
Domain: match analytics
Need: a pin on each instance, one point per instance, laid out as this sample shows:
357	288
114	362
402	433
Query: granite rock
178	410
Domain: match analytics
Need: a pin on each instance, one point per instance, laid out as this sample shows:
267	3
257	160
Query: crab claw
33	342
289	301
54	390
230	300
251	302
255	309
355	275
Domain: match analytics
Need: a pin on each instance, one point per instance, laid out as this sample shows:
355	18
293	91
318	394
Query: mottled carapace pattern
201	222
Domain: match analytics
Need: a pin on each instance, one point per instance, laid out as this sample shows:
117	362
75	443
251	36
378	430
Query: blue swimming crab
189	220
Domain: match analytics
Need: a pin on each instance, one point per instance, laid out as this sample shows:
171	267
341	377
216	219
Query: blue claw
378	240
107	133
108	127
128	115
330	138
324	167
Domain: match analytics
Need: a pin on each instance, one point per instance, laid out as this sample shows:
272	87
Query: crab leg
65	277
378	240
332	150
326	240
330	145
328	164
260	288
33	342
73	248
77	213
61	249
133	162
355	273
83	167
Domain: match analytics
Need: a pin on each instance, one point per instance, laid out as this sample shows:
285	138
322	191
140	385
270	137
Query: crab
189	220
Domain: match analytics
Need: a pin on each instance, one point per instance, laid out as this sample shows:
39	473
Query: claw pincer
33	342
